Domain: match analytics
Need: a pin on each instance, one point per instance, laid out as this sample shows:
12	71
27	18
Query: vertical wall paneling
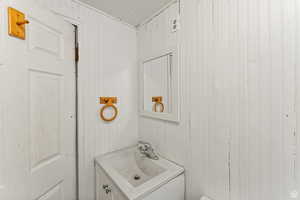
2	107
289	64
188	35
210	130
108	54
2	146
297	70
240	120
244	132
2	45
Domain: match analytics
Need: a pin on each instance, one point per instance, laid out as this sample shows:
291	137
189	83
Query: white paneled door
37	108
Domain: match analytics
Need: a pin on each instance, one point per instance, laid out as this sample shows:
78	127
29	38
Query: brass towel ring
113	117
159	104
109	103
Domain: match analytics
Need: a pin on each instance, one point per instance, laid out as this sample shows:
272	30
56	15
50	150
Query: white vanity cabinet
126	175
105	188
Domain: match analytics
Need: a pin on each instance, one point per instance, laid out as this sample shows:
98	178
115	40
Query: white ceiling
131	11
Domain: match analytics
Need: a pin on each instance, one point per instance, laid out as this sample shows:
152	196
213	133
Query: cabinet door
118	195
104	186
106	189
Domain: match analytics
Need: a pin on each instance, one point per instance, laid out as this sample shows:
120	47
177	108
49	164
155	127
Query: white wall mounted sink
137	176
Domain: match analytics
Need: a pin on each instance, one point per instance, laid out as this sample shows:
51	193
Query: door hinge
175	24
77	53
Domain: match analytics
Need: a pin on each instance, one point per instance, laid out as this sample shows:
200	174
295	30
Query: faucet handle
144	144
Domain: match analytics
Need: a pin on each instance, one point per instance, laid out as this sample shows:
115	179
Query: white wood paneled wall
2	115
156	36
109	51
238	137
2	141
243	99
246	65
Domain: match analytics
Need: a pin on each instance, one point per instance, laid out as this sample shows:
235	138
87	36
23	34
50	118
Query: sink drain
136	177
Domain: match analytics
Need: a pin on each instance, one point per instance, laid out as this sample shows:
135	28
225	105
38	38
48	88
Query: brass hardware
23	22
109	103
158	102
157	99
105	186
107	189
16	23
106	100
113	117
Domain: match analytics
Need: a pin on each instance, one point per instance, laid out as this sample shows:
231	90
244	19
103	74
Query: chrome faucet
147	150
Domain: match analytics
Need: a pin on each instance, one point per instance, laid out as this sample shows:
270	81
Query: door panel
40	96
45	116
54	193
43	38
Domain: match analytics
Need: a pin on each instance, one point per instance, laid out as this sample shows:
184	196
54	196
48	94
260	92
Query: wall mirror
158	41
160	86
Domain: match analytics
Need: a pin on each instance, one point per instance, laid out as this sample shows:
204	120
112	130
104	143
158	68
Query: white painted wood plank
277	98
289	123
297	142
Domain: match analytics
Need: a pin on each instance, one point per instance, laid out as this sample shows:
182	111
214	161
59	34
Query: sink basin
135	168
136	175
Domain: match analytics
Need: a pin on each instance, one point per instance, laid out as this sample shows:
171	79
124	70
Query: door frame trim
79	143
76	44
